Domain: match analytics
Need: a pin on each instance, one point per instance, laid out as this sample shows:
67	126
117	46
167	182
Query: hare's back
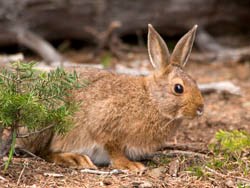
101	84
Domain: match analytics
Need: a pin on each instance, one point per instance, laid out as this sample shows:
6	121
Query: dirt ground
222	111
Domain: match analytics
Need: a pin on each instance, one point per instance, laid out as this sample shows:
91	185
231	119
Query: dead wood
4	59
3	179
207	43
107	39
22	151
37	44
224	86
227	176
53	20
56	175
21	173
99	172
35	132
215	52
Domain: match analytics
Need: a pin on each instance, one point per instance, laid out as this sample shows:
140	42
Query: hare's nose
200	110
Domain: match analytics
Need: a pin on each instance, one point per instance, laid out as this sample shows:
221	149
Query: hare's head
174	92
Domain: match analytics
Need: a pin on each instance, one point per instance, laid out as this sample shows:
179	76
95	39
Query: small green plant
231	150
106	60
231	143
196	171
230	155
34	100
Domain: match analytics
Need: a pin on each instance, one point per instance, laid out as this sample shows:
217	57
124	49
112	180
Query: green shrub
35	100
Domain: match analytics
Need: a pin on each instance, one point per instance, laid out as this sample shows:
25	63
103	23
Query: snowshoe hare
123	118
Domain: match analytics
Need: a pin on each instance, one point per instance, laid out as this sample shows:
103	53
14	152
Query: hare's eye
178	88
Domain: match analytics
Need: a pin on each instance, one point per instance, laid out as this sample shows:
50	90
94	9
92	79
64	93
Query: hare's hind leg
71	160
120	161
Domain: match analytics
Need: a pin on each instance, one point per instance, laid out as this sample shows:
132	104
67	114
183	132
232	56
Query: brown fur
124	118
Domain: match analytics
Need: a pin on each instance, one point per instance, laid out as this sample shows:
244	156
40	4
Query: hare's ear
157	49
183	48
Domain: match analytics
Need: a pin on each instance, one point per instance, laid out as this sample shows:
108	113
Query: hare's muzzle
200	110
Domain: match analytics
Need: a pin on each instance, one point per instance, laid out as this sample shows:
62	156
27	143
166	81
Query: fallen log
53	20
213	51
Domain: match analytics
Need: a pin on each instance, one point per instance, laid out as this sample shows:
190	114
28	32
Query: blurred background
56	30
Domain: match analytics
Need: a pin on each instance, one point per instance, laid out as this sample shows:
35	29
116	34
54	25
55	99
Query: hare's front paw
72	160
130	165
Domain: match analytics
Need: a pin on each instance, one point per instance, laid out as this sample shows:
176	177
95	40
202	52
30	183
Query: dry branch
35	132
215	52
18	150
3	179
115	171
65	19
20	176
37	44
200	148
242	179
207	43
107	39
53	175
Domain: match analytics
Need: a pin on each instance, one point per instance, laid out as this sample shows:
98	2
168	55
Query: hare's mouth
191	113
188	115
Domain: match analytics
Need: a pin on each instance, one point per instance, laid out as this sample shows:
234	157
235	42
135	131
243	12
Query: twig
245	180
3	179
19	178
115	171
215	172
227	176
53	175
29	153
35	132
199	148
